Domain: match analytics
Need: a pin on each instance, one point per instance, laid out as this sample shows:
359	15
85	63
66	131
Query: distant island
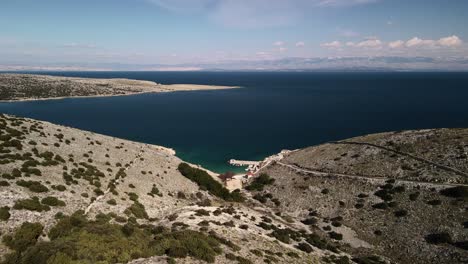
27	87
73	196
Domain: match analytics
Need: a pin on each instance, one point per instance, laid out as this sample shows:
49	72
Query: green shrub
4	213
202	212
52	201
434	202
138	210
335	235
259	183
381	206
155	191
204	180
456	192
32	204
304	247
33	186
112	202
256	252
400	213
439	238
4	183
292	254
414	196
23	237
75	238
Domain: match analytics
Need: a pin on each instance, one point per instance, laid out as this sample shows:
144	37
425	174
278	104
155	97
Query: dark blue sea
271	112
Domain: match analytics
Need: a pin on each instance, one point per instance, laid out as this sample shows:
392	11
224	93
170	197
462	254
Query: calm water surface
273	111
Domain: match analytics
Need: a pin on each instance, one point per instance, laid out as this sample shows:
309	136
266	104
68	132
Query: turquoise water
273	111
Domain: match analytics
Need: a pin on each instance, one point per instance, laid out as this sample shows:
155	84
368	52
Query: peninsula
27	87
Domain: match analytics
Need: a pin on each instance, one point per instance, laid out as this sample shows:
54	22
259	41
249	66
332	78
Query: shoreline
117	95
93	86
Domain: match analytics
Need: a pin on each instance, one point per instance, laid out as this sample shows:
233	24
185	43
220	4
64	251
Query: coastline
205	88
94	86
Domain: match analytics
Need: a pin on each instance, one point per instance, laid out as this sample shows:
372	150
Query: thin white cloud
396	44
282	49
368	43
332	45
79	46
278	43
452	41
417	42
300	44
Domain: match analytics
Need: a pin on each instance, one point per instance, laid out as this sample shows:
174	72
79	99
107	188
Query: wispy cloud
332	45
279	43
444	47
79	45
300	44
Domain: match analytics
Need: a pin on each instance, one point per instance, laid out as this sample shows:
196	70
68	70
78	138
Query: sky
190	32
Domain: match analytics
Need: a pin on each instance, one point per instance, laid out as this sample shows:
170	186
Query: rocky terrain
401	195
14	87
63	179
72	196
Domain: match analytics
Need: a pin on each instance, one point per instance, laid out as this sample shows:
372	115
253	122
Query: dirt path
329	174
100	197
440	166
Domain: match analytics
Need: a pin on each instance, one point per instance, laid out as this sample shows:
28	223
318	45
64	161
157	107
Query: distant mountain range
383	63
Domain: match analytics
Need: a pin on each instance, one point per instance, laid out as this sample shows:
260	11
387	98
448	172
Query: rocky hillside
14	87
402	196
71	196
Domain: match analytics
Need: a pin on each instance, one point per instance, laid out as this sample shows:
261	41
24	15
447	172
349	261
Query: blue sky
198	31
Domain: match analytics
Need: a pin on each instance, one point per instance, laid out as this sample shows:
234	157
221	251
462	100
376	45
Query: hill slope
402	195
72	196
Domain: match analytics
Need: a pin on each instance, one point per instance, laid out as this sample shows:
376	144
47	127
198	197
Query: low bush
4	183
305	247
438	238
33	186
32	204
52	201
259	182
335	235
23	237
4	213
456	192
434	202
400	213
138	210
381	206
414	196
74	239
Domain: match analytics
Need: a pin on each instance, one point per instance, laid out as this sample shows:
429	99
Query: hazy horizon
183	35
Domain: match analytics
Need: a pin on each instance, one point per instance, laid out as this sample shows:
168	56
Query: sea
271	111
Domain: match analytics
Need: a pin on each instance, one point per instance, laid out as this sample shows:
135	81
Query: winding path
100	197
440	166
330	174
